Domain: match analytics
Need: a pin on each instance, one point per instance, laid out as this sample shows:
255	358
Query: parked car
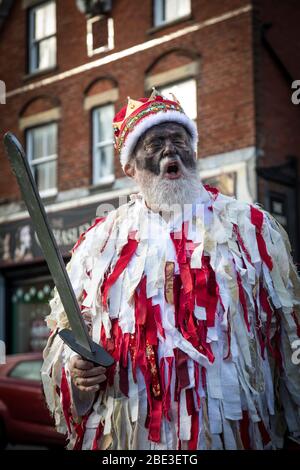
24	417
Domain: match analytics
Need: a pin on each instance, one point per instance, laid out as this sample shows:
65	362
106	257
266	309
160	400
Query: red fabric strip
80	430
181	359
98	435
207	290
201	275
212	298
157	317
186	277
123	365
125	347
244	430
124	383
155	421
167	394
176	289
189	401
264	433
191	328
204	347
257	218
184	249
241	242
141	302
214	191
98	220
151	325
132	350
264	302
65	398
126	254
103	337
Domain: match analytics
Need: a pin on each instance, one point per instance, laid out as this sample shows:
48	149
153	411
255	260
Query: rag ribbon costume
201	314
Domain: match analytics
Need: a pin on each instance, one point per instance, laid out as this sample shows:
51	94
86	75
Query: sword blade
47	241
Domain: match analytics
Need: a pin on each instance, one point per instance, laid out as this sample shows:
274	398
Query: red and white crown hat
139	115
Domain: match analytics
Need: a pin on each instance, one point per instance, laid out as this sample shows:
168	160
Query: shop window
226	183
41	145
30	306
166	11
103	149
186	93
42	36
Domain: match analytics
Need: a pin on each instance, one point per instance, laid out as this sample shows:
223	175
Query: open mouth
172	170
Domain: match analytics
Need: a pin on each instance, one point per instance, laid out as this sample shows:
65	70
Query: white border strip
128	52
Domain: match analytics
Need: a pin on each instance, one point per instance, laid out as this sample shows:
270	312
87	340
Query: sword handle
98	356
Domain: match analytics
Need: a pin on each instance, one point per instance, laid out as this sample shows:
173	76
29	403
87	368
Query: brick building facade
230	62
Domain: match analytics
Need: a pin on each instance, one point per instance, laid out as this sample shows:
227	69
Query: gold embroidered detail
169	281
155	385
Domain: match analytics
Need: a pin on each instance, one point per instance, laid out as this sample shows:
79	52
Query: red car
24	417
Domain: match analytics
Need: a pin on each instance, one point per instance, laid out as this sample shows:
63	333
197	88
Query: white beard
167	195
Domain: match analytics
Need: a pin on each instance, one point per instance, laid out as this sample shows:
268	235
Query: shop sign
19	243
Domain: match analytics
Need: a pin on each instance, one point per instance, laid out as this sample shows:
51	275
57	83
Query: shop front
26	284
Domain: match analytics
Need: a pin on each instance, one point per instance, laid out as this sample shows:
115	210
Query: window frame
54	157
158	8
33	44
95	146
89	35
178	82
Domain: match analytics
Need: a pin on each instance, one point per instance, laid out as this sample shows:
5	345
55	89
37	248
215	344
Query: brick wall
225	90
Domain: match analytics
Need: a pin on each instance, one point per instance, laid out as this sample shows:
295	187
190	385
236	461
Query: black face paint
167	140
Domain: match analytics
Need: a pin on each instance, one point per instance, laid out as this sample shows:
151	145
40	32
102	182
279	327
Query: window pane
44	141
47	53
104	165
103	118
186	93
44	20
50	139
29	370
37	141
45	175
176	8
103	153
169	10
42	24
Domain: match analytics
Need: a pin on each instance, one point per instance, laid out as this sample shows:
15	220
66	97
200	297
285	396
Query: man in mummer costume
196	297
